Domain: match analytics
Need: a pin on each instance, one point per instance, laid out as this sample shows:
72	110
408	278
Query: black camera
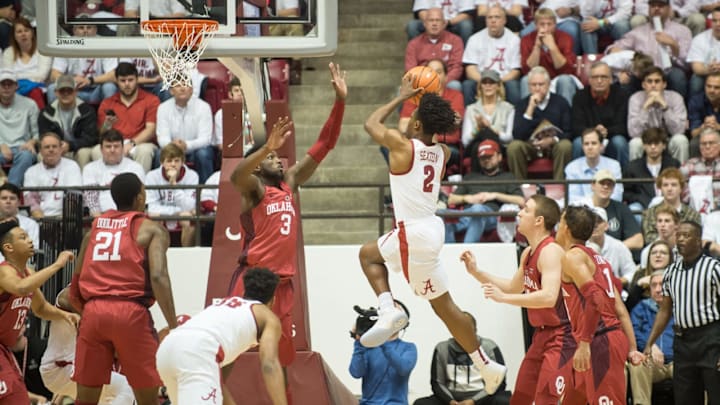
365	320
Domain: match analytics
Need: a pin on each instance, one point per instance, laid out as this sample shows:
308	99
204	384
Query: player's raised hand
468	258
64	257
406	87
279	132
338	80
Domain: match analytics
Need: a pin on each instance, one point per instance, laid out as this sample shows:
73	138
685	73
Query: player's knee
369	254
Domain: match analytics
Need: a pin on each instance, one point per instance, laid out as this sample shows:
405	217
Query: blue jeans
21	161
677	80
474	227
636	206
512	91
569	26
203	160
565	87
589	40
93	95
697	84
617	148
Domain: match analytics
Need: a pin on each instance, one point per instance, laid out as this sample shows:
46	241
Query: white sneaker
389	322
493	375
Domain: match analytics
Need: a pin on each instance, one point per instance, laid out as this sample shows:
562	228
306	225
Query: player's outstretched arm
12	283
634	356
269	362
300	172
242	177
44	310
661	320
375	124
159	277
506	285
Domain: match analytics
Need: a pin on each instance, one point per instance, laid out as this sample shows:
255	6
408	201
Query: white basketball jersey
231	322
415	193
60	345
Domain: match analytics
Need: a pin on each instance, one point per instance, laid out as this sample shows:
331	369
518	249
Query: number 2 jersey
603	276
415	192
114	264
270	232
13	311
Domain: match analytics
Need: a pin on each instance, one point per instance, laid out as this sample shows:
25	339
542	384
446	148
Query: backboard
243	27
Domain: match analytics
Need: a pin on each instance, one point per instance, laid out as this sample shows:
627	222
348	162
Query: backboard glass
243	27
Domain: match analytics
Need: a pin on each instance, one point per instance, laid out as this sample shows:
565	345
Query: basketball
424	78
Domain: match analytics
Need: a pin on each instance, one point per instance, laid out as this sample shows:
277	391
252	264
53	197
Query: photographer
385	370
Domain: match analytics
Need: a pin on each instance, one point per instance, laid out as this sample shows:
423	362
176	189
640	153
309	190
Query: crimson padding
311	382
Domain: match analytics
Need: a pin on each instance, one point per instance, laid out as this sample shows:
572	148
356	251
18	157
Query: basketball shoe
389	322
493	375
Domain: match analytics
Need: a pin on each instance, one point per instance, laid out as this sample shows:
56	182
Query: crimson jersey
555	316
114	264
603	275
270	232
13	311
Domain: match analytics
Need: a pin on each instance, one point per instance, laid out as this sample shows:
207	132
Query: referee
691	292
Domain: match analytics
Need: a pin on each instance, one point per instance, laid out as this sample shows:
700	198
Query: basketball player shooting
416	168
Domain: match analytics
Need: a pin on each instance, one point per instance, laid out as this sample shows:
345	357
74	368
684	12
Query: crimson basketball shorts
116	327
413	248
605	382
546	371
12	385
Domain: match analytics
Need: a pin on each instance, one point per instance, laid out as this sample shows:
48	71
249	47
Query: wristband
601	22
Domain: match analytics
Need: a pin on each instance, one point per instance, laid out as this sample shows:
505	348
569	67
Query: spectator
180	202
630	73
568	21
671	182
668	48
533	132
551	49
208	202
686	12
621	223
158	8
18	128
101	172
655	160
72	119
691	297
660	366
659	255
10	197
459	15
437	43
667	220
94	77
53	170
385	370
711	234
708	164
655	107
603	17
286	9
187	122
490	117
494	48
592	165
133	113
604	107
704	111
513	11
454	97
614	251
482	198
235	94
704	54
7	16
23	58
463	386
149	78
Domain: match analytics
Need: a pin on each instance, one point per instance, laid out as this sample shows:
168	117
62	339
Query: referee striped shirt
695	291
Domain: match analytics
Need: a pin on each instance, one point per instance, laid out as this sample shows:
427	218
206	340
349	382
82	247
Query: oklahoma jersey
274	221
13	311
555	316
415	192
114	264
603	276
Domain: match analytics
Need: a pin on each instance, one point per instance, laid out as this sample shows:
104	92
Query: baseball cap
604	174
65	82
491	75
659	1
7	74
600	211
487	147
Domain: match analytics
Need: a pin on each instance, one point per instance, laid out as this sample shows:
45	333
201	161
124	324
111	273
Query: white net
176	47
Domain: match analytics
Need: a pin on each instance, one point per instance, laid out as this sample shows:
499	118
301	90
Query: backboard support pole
249	71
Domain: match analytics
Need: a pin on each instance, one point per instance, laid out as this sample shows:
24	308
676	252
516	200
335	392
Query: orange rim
187	29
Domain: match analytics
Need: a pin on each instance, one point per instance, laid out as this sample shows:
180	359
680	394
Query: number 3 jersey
270	232
415	192
13	311
114	264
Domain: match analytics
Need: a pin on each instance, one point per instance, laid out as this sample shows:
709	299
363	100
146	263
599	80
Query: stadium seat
279	70
582	67
541	168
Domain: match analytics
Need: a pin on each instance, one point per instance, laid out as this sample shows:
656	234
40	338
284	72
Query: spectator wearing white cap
616	253
593	164
18	128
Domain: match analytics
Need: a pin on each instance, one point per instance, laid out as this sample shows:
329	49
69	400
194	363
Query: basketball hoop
176	46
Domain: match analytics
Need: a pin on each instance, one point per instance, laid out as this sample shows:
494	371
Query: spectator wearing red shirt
132	112
437	43
551	49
